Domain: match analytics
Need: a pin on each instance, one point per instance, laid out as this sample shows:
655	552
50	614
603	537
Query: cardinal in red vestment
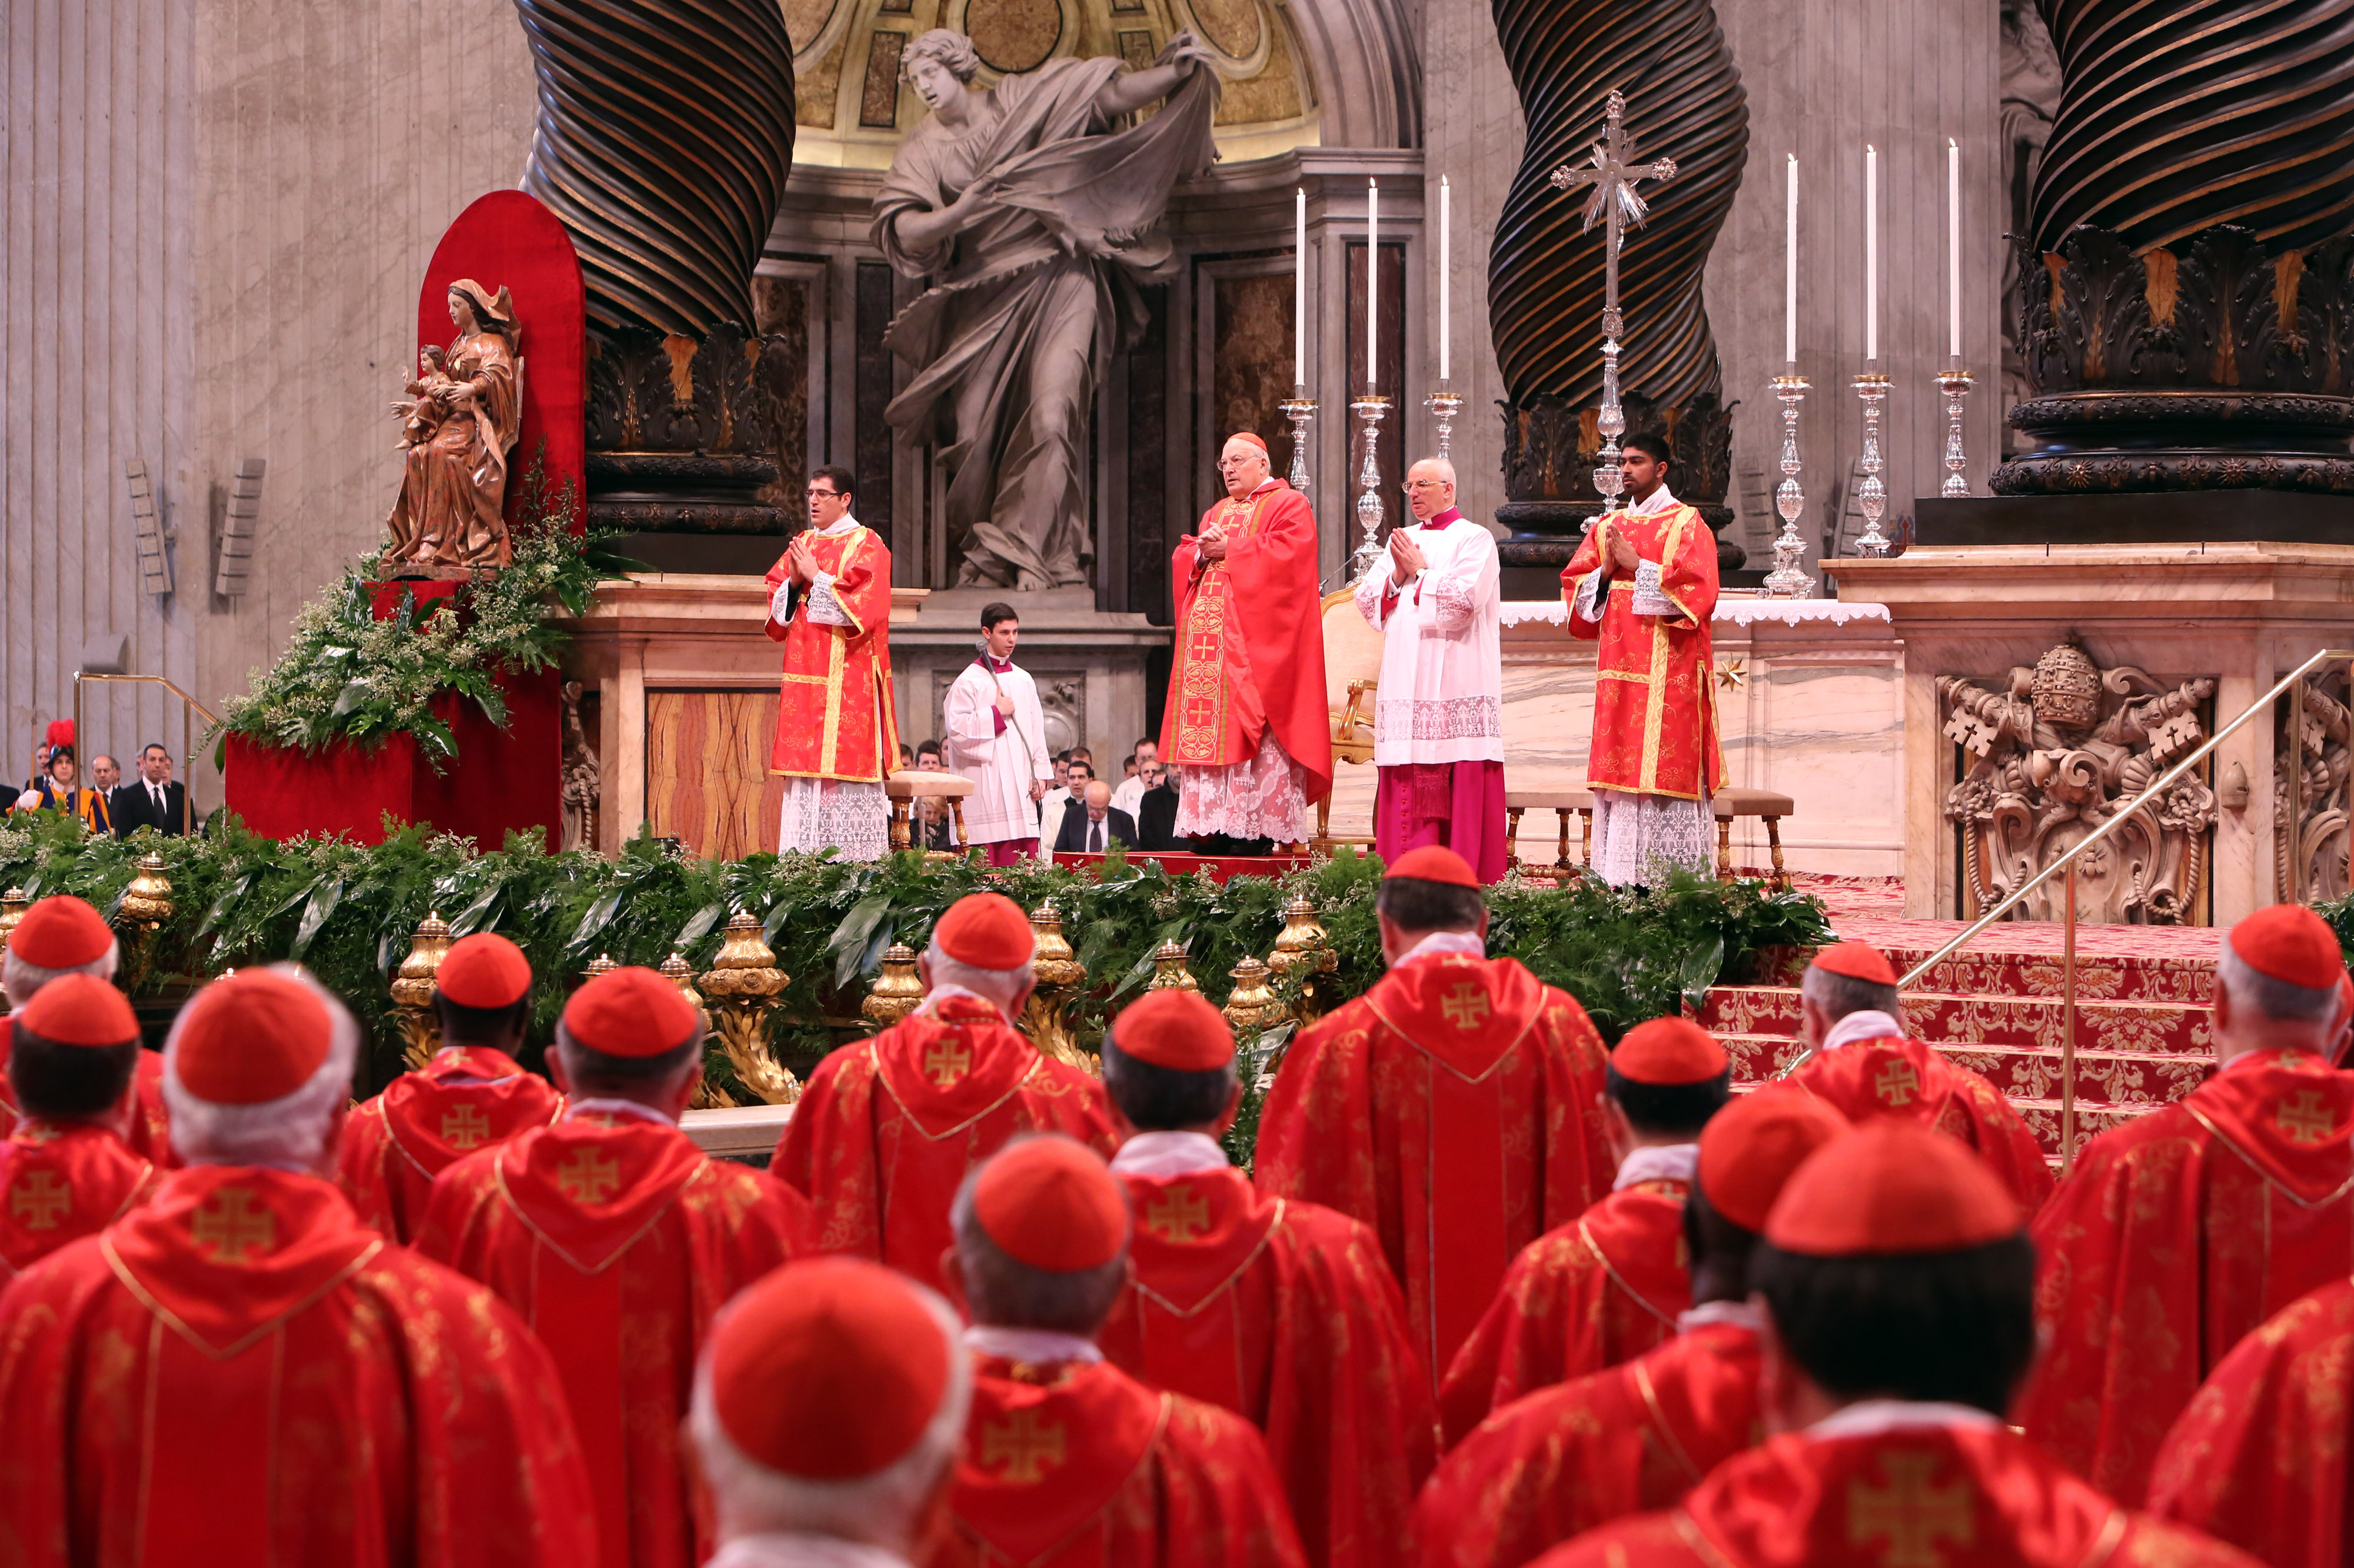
2184	1229
1455	1107
1248	726
617	1239
1608	1285
828	1408
65	1171
471	1095
1898	1283
886	1129
238	1372
2259	1457
1280	1311
837	731
1638	1436
1863	1066
60	935
1068	1462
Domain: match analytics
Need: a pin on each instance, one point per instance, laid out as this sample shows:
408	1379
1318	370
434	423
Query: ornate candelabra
743	984
897	990
1872	494
412	990
1060	976
1785	581
1371	410
1444	405
1251	1007
1301	949
1301	410
1955	385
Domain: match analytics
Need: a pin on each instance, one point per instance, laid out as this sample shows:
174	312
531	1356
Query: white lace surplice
1442	683
1637	838
1263	797
833	814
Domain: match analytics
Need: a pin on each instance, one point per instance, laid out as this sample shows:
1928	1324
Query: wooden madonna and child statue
459	418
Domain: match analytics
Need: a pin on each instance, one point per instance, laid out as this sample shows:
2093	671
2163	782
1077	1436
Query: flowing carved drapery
2055	753
2321	797
1684	102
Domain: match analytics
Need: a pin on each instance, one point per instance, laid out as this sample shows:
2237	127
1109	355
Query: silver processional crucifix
1612	172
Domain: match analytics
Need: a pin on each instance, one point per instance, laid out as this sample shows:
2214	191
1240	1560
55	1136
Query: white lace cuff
1452	599
1589	592
824	608
780	603
1649	599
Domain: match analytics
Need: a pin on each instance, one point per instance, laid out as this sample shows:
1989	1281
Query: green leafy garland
346	674
348	911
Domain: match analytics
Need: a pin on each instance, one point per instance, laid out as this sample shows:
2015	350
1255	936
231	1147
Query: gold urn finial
1252	1006
412	989
743	984
1060	976
1169	970
13	905
680	973
147	902
1303	952
602	964
897	990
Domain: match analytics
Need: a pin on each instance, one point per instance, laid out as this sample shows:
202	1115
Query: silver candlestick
1871	496
1443	404
1370	409
1955	384
1301	410
1785	581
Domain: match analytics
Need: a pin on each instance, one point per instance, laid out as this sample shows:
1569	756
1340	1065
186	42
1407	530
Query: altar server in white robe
997	737
1438	712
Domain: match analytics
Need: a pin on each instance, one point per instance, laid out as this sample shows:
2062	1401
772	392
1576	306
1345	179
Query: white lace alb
851	818
1638	838
1261	796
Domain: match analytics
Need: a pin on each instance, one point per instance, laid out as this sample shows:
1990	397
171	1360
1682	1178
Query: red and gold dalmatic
835	716
888	1127
1546	1468
1075	1464
1599	1290
1654	699
2178	1233
617	1240
1284	1313
1453	1108
61	1181
463	1100
1250	641
1896	1076
2259	1459
239	1373
1912	1497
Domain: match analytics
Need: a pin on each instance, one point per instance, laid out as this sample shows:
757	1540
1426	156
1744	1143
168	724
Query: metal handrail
187	729
2139	804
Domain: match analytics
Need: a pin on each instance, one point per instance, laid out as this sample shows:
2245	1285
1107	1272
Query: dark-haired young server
1281	1311
65	1167
1899	1288
1608	1285
997	737
1455	1107
1544	1469
1643	585
472	1095
617	1239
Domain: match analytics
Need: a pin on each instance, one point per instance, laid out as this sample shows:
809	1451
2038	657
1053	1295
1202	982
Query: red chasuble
1076	1466
884	1134
834	719
1924	1497
1599	1290
238	1374
426	1121
1454	1108
149	1134
2259	1459
617	1243
1286	1314
1896	1076
1250	641
1551	1466
1654	703
61	1181
2179	1233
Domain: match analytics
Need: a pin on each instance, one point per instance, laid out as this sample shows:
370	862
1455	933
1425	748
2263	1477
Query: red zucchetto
1749	1149
485	970
1051	1202
1668	1051
81	1010
1857	960
1253	437
828	1371
1174	1029
61	932
1432	862
1891	1189
987	930
631	1012
251	1038
2286	942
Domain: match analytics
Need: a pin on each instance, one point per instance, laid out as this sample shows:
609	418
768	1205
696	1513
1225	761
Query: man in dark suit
1156	812
151	801
1096	828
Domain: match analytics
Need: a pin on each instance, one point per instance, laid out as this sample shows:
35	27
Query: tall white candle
1871	252
1790	269
1300	289
1446	222
1373	276
1954	249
